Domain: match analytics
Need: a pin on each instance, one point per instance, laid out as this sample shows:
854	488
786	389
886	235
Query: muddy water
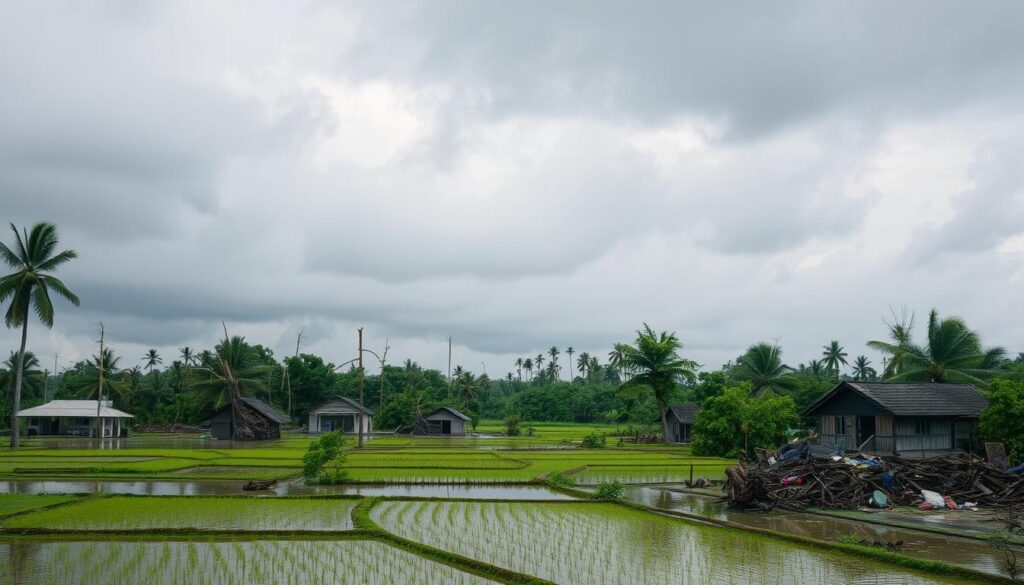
289	488
960	551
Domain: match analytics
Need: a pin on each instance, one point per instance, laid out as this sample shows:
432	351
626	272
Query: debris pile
801	476
176	428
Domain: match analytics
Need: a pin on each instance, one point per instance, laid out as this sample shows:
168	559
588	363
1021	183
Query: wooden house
222	421
340	414
918	419
447	421
680	419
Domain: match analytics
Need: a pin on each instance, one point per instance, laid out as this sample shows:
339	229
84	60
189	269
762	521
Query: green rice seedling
15	503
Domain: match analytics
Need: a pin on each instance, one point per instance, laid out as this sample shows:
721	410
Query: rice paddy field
459	511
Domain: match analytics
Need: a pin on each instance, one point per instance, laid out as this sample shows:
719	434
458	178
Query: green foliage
656	365
594	440
561	480
762	366
400	411
709	384
322	463
728	423
610	491
512	426
1003	419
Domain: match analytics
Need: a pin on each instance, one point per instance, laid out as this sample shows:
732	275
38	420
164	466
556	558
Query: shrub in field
735	422
1003	419
512	426
323	461
559	479
594	440
611	491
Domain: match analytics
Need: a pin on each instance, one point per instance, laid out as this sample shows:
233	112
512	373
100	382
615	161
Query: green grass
199	513
15	503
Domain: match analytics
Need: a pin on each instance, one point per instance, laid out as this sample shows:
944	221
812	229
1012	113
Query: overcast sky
517	174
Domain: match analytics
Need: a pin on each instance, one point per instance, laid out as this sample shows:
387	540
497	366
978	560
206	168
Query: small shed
912	418
680	419
75	417
447	421
340	414
222	425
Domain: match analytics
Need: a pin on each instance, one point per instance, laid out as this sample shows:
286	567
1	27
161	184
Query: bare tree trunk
664	423
17	385
99	385
383	360
361	380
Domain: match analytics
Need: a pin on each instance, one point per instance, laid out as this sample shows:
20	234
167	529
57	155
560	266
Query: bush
323	460
512	426
594	440
1003	419
728	423
559	479
610	491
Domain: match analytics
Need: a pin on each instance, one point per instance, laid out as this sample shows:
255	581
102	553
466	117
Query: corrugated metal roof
686	413
73	408
352	403
915	398
452	411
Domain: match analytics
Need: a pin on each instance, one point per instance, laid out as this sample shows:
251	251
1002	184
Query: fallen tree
815	477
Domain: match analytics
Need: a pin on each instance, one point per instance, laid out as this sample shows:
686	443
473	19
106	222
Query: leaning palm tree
862	369
762	366
232	371
655	359
152	359
951	353
834	356
33	258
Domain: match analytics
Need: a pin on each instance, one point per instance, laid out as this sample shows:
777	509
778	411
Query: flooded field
201	563
606	544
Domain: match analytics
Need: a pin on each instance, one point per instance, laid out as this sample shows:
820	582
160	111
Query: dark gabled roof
266	410
685	413
347	401
914	398
451	410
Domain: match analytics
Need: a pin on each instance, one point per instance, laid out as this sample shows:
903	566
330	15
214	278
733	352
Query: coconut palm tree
900	328
583	364
862	369
834	356
29	286
655	359
762	366
225	376
32	376
552	366
188	358
815	367
519	369
528	364
616	358
951	353
593	369
538	362
569	351
88	385
152	359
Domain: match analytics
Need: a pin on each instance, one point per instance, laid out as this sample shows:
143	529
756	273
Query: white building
74	417
339	414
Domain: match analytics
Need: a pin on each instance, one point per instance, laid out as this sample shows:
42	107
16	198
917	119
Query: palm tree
227	375
616	358
900	328
32	376
467	387
952	353
593	369
538	362
528	364
187	357
862	369
152	359
815	367
88	385
834	356
29	287
552	366
583	364
519	368
655	359
762	366
569	351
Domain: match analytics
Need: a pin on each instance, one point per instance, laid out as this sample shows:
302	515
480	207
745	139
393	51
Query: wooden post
361	379
99	387
691	475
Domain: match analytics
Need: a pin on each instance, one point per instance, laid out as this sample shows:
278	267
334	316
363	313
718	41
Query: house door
865	429
446	427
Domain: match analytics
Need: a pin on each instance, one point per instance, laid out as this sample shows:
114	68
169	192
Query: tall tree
762	366
528	364
617	358
657	365
900	327
862	369
583	365
952	352
834	356
32	376
569	351
29	286
228	374
188	358
519	368
152	359
553	364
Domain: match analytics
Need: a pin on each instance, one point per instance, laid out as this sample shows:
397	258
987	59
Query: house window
840	425
922	426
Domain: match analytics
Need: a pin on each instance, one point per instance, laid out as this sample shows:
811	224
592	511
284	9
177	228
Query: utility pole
288	378
46	399
382	360
99	387
361	379
449	367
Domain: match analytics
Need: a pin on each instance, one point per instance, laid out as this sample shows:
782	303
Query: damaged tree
227	376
